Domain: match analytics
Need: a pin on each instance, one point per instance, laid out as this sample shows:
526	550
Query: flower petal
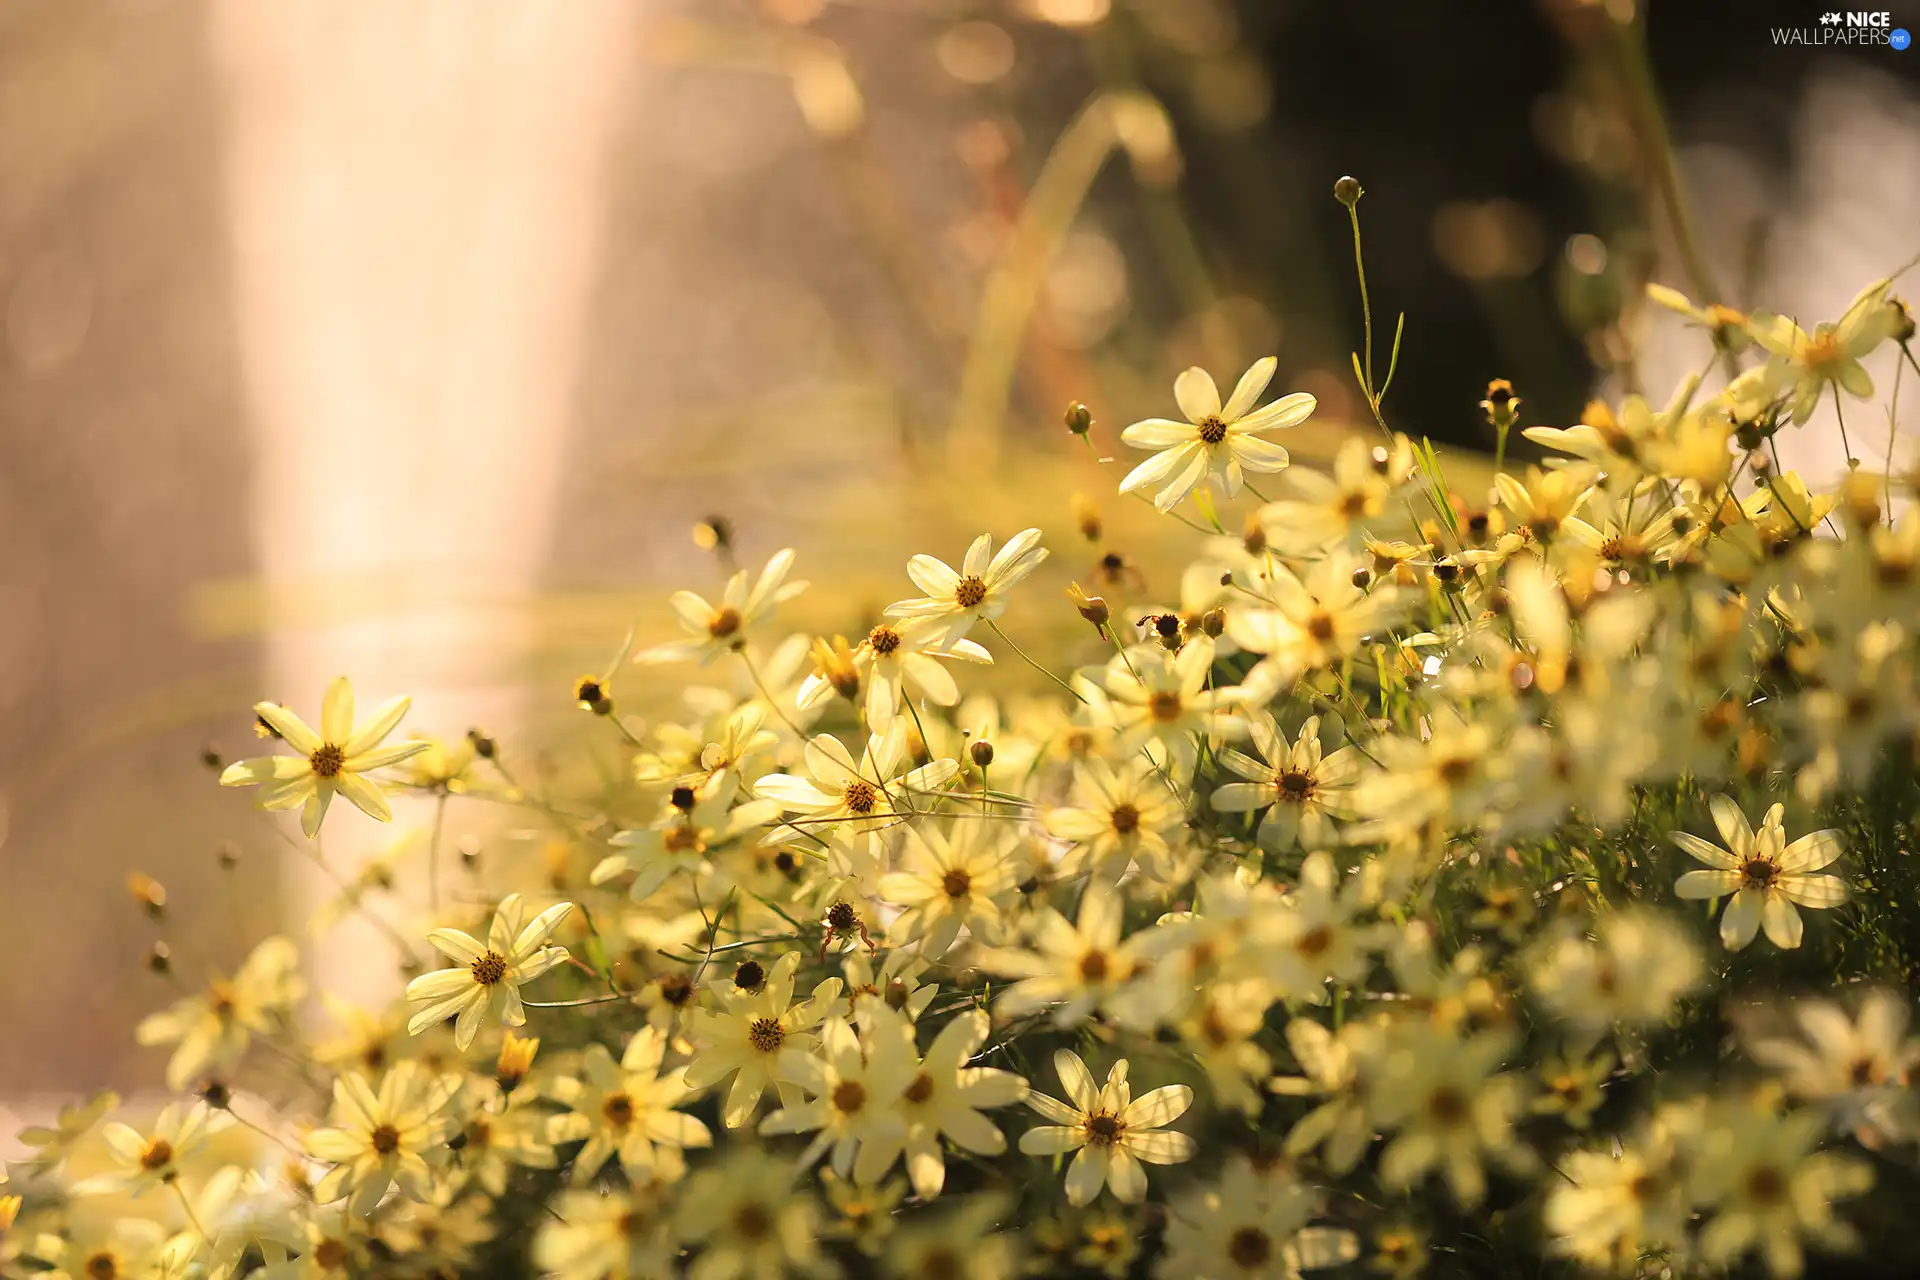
1706	884
1088	1172
1158	1107
1252	385
1196	394
1741	920
1732	823
1711	854
386	718
1051	1140
1781	922
336	712
1811	852
1076	1080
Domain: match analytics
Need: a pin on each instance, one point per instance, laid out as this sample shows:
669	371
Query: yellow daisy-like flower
1112	1131
213	1027
714	630
948	880
380	1138
147	1160
490	975
335	759
1765	875
1807	362
626	1111
977	592
1217	442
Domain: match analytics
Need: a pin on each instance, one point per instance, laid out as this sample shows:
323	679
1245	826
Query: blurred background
411	340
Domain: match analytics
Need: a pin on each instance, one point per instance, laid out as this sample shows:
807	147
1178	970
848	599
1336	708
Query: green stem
1025	657
1650	123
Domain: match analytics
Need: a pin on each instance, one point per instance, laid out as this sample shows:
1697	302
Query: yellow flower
213	1028
1250	1224
334	759
855	1081
1117	816
1076	966
1857	1069
1449	1108
147	1160
1301	790
1769	1189
977	592
896	662
627	1112
749	1220
1765	875
617	1236
1807	362
1336	508
716	629
1112	1131
948	880
1218	443
490	975
842	791
1610	1206
943	1098
382	1138
759	1037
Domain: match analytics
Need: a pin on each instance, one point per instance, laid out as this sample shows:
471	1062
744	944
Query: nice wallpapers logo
1853	28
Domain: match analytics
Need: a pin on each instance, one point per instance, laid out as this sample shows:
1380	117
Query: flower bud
1086	515
1903	328
149	893
483	745
1079	418
1502	406
1092	608
592	696
516	1059
1347	191
981	752
1213	622
715	533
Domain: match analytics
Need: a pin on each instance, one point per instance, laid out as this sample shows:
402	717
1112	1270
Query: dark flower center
1249	1247
860	796
489	968
327	760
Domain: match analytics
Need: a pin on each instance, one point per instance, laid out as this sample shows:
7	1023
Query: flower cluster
1333	915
